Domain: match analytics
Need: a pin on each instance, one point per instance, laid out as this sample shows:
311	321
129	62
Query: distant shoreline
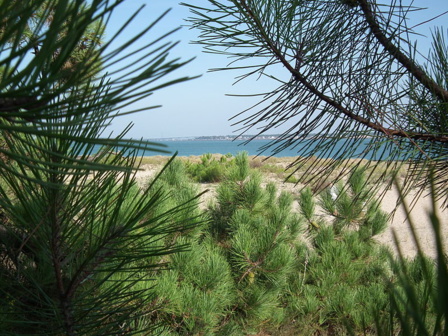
248	138
338	149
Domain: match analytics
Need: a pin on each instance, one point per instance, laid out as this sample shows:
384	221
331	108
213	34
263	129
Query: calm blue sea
353	149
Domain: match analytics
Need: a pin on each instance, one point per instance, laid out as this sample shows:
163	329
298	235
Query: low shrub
209	170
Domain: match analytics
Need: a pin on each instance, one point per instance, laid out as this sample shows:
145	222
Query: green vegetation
84	250
256	265
79	240
210	169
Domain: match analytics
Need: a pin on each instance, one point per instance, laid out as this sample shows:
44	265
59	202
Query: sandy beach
421	223
398	223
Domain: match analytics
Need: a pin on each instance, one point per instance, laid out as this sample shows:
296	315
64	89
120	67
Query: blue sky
201	107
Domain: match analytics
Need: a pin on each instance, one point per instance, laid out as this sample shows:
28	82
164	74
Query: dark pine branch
396	53
376	126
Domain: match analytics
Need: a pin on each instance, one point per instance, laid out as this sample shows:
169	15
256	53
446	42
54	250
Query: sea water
359	148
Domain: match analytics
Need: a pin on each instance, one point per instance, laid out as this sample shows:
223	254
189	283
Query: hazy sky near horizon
201	106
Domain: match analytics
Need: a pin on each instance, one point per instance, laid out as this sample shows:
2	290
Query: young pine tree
260	236
77	237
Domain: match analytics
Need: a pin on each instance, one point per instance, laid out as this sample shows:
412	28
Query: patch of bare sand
419	214
146	173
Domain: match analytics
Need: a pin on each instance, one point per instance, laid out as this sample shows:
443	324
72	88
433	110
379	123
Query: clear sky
201	107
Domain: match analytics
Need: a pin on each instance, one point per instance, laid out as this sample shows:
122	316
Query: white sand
400	224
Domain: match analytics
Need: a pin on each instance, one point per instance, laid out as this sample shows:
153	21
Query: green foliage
230	283
307	206
209	169
292	179
182	196
79	241
71	236
259	239
254	268
352	205
198	290
342	277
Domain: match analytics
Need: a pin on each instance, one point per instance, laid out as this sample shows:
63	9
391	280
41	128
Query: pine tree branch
396	53
390	132
13	104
